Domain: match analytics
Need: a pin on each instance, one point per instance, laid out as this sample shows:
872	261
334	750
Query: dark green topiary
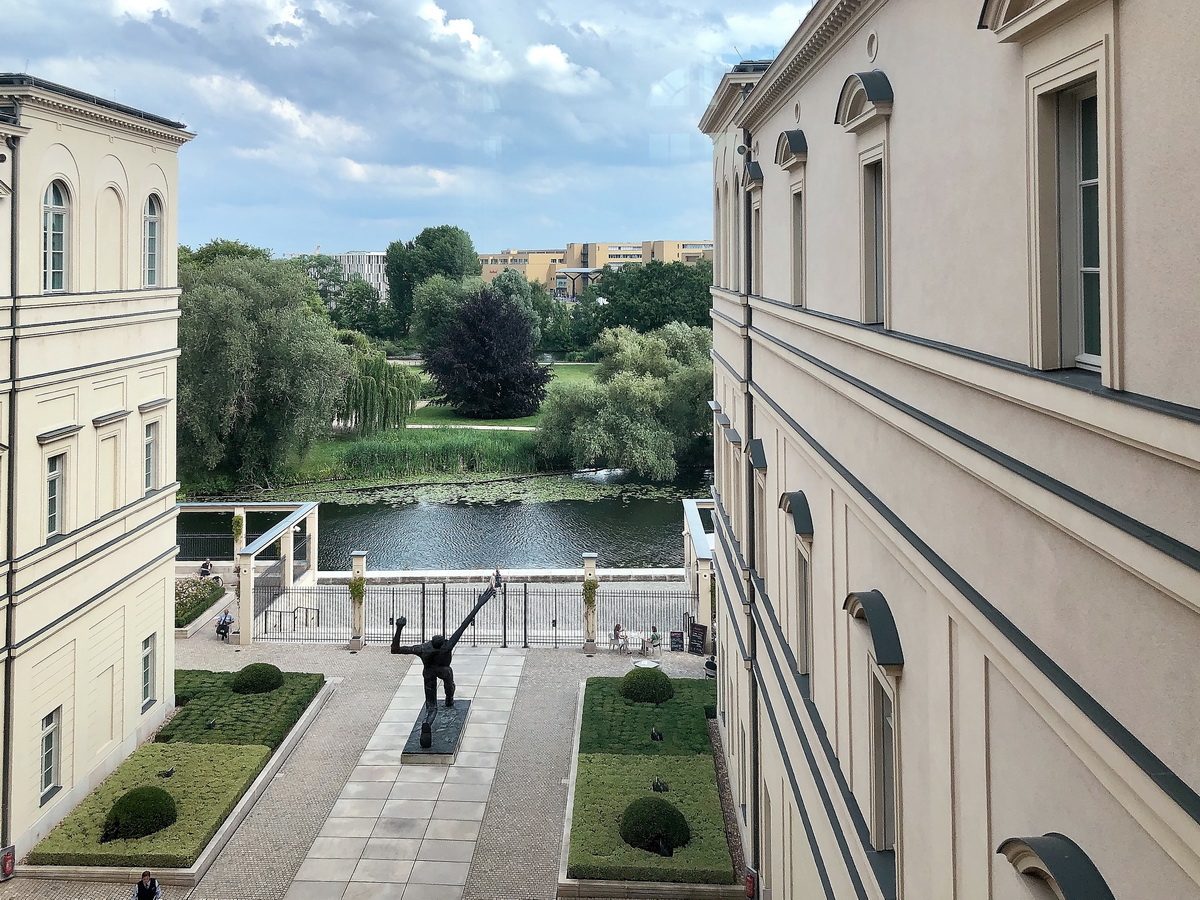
139	812
647	686
256	678
654	824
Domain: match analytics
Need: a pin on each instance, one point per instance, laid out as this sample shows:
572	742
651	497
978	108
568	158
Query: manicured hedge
612	724
605	785
239	718
647	686
193	597
207	783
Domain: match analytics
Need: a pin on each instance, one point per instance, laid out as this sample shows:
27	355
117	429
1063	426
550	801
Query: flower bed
213	748
206	785
192	597
618	762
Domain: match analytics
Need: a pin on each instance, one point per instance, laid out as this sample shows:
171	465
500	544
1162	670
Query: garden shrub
193	597
139	812
654	824
710	710
612	724
257	678
647	686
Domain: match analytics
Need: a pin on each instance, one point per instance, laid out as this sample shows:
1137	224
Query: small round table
647	664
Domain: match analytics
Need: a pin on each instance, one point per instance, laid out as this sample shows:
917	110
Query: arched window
151	231
55	210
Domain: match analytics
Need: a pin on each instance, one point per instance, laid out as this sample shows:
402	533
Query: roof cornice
728	97
35	96
820	32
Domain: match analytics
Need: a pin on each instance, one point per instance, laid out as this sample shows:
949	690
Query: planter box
597	889
208	619
191	876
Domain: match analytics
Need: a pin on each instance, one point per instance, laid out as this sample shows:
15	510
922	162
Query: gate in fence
520	615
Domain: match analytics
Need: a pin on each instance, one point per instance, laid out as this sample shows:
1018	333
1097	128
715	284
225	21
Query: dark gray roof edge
796	140
1071	868
758	453
876	85
18	79
796	503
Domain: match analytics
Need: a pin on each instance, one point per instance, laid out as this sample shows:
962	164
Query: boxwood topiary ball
256	678
647	686
655	824
139	812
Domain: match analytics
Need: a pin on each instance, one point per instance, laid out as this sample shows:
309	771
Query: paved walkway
343	818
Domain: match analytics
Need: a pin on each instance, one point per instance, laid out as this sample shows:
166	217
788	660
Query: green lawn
211	768
617	765
568	373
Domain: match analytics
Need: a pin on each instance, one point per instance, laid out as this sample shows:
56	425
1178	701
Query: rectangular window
147	672
883	752
55	477
803	637
150	457
54	250
1080	299
760	525
151	254
50	753
874	247
756	286
798	248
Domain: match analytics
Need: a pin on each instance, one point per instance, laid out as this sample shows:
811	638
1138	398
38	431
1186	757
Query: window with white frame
883	766
756	286
148	672
151	234
802	645
1080	299
874	242
55	224
49	760
56	476
798	246
150	457
760	524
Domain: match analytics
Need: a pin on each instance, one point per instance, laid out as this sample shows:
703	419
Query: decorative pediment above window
795	503
1060	862
5	190
791	149
866	98
758	454
754	175
872	607
1020	20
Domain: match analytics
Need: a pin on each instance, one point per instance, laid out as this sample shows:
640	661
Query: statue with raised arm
435	654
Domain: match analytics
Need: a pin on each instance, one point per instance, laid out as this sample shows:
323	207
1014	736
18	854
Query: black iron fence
520	615
198	547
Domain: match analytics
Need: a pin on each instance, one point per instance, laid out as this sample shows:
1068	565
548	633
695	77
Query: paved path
344	819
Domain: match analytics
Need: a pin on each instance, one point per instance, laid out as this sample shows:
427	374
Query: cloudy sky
351	123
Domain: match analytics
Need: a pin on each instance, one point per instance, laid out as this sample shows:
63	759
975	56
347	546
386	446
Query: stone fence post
589	609
358	574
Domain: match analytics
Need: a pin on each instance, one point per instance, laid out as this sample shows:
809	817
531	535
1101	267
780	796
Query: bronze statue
435	655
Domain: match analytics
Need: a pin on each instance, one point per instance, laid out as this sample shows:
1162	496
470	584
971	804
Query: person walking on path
147	888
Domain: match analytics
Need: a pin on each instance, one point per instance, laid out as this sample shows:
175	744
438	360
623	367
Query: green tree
220	248
326	272
260	371
646	297
646	409
436	303
379	394
516	288
360	308
442	250
484	365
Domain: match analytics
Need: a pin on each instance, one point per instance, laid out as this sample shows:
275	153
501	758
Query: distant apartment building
568	271
369	265
88	309
956	401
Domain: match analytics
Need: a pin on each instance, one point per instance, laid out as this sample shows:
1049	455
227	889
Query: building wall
534	265
1030	525
369	265
95	365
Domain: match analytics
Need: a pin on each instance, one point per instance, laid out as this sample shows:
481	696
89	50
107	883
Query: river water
625	532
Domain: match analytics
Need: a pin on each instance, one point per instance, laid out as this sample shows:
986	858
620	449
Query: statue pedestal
447	735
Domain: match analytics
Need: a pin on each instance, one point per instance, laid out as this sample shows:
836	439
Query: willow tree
378	395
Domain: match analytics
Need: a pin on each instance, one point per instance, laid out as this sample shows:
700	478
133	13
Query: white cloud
561	76
224	93
481	60
402	180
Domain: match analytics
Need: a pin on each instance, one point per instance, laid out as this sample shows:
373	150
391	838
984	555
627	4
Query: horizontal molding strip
1180	793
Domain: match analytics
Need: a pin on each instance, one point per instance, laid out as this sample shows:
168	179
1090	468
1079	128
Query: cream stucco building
88	308
957	397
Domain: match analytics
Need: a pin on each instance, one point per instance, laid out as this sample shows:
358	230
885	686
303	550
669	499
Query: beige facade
956	349
535	265
88	309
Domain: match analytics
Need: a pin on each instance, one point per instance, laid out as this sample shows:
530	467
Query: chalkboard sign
677	641
696	637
